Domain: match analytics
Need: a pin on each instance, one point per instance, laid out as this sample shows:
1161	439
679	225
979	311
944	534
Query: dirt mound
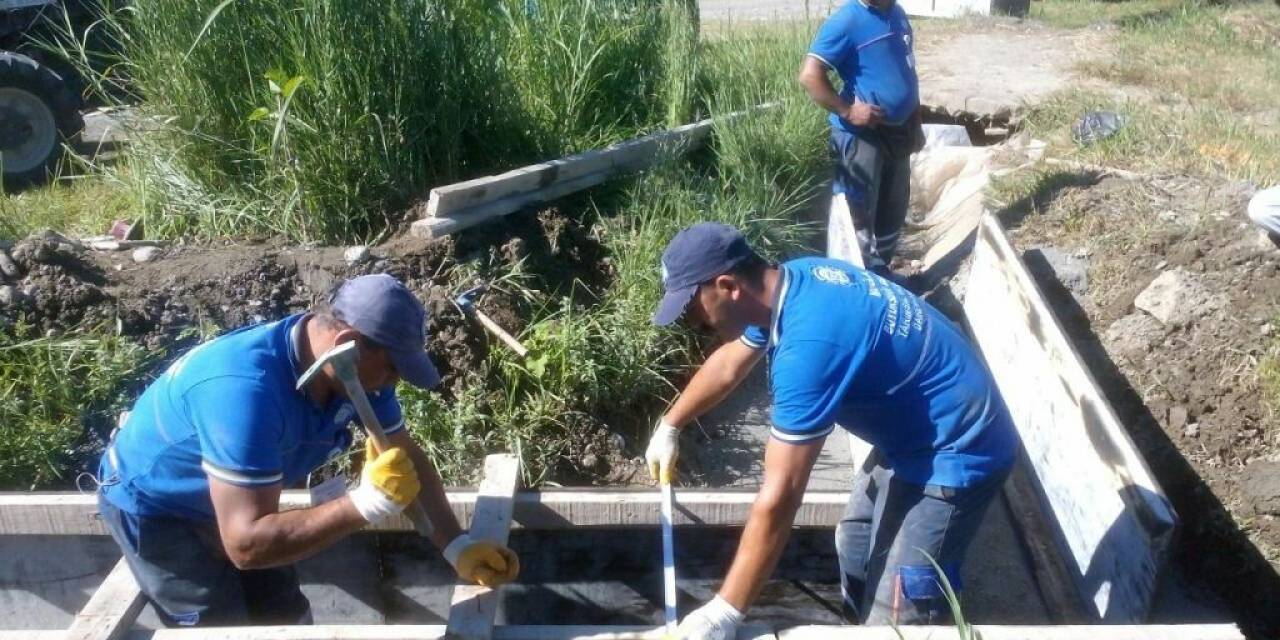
1177	324
185	292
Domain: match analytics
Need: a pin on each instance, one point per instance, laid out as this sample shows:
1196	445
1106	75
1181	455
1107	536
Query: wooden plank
457	199
455	207
111	611
748	632
24	513
438	227
1000	632
1115	522
473	607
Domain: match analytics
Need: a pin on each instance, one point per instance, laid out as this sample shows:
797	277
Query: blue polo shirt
873	53
848	347
228	409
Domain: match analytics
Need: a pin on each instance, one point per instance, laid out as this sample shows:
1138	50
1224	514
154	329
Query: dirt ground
1179	359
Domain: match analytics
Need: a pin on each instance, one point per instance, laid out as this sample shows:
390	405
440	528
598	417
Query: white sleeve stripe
801	437
750	343
236	477
820	59
394	428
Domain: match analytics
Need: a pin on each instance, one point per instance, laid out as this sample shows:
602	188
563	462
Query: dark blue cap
696	255
383	310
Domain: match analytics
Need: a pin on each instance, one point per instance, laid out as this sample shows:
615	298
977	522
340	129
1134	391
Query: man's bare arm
786	474
257	535
813	77
432	495
722	372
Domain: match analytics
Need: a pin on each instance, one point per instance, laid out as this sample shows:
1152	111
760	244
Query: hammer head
467	299
343	358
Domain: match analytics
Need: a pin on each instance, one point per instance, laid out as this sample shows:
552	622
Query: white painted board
1115	521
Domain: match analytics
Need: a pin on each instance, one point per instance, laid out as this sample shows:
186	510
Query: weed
55	395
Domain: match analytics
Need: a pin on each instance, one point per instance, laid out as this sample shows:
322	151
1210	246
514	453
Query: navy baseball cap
697	254
382	309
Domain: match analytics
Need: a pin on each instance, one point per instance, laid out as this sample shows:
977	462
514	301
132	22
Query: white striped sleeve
240	478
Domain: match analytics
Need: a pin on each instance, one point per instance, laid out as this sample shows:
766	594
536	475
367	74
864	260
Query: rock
1177	418
1071	270
145	254
1133	335
9	269
1260	486
1176	297
11	296
1192	430
356	255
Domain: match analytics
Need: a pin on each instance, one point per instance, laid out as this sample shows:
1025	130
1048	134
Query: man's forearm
432	496
289	536
763	540
714	380
823	94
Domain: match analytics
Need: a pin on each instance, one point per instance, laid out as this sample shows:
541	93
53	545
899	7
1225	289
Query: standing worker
875	118
849	348
190	485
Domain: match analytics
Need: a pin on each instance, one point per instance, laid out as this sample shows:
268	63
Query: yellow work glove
388	483
485	563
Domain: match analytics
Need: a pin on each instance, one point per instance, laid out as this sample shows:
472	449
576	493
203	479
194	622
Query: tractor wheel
38	113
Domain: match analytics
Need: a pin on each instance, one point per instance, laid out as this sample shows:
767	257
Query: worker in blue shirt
190	485
875	117
845	348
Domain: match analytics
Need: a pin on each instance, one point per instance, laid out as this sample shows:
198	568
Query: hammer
343	359
467	303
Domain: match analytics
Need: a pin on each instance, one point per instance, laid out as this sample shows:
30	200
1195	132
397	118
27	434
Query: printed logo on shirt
832	275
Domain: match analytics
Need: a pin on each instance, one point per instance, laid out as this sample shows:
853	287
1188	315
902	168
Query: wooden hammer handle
501	333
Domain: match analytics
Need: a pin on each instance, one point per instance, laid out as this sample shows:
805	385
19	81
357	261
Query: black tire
31	97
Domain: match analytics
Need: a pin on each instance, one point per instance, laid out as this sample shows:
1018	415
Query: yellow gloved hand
388	483
486	563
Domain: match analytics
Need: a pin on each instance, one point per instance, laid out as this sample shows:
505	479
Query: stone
356	255
1260	486
1133	335
9	269
1177	418
1069	269
1192	430
1176	297
145	254
11	296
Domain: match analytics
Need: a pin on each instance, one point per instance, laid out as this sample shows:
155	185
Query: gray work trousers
873	174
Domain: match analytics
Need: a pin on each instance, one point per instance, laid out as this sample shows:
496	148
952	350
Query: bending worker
190	485
845	348
875	117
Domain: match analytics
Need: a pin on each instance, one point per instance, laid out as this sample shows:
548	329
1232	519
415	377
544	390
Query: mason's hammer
343	359
466	301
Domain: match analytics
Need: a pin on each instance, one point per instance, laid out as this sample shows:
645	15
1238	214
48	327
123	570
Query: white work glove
486	563
715	620
664	449
388	483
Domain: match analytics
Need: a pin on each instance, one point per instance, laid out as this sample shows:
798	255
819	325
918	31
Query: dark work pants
873	174
888	527
180	566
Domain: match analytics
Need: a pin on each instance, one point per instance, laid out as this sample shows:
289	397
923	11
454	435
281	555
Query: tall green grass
322	119
54	393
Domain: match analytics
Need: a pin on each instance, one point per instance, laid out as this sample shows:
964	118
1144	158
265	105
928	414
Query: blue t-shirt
228	409
872	51
848	347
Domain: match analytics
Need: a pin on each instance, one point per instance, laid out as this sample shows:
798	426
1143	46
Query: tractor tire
38	114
